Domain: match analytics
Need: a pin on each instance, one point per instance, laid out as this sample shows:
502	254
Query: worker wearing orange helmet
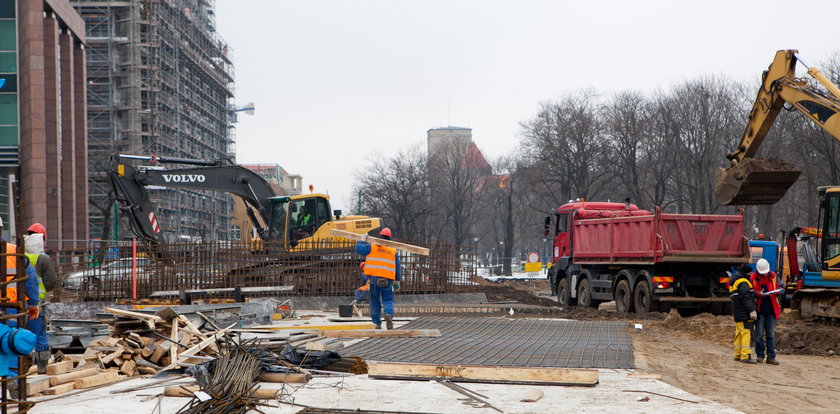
35	242
382	271
32	294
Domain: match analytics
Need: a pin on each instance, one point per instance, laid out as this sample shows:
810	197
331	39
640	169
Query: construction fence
111	270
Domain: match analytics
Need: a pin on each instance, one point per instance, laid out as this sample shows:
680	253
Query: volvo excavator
294	223
750	180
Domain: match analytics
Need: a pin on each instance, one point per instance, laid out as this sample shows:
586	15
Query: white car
110	276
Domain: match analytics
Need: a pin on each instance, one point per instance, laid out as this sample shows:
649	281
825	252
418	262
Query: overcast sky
335	82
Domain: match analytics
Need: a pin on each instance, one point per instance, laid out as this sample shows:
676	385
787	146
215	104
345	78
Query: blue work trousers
765	332
380	296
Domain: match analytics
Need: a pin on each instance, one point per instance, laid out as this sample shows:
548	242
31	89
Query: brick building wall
53	117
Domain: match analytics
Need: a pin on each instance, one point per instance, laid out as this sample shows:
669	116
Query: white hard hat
762	266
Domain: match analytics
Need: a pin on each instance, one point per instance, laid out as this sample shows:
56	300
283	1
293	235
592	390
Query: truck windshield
832	233
277	227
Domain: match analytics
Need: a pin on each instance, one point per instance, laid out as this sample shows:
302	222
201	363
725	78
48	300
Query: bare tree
395	189
457	172
628	125
565	142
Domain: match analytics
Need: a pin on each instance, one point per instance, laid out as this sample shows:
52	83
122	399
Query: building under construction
160	81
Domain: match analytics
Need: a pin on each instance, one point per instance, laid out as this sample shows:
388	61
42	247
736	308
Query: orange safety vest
381	262
11	272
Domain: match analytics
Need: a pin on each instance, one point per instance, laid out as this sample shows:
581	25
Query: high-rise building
160	82
43	119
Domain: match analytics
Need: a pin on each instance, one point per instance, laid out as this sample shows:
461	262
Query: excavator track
818	304
755	181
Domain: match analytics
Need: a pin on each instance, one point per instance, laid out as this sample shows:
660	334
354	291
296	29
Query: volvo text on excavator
764	181
294	222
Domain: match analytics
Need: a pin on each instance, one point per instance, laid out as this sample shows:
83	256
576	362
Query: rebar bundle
231	384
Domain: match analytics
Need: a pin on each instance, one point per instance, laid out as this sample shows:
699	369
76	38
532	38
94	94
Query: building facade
160	82
43	120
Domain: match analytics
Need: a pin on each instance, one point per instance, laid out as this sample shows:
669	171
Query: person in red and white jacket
768	288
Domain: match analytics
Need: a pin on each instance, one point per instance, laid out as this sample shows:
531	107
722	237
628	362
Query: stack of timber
142	343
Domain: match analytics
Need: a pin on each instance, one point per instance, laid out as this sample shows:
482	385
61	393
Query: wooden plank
501	375
129	368
648	376
72	376
191	326
189	390
113	355
37	387
180	390
59	389
138	315
173	347
59	368
158	353
199	346
381	333
325	344
382	242
283	377
106	377
340	326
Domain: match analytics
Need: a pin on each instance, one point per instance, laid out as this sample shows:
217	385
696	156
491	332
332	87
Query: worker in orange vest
35	242
363	291
31	286
382	271
32	291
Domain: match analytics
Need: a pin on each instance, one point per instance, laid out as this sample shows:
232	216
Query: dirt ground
695	354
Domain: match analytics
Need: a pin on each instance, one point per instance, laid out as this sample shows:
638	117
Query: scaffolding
160	81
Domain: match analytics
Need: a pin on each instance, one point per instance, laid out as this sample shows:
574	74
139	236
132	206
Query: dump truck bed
660	237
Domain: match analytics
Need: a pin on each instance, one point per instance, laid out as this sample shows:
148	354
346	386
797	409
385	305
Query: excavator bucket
755	181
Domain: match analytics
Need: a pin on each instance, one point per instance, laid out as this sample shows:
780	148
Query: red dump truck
645	261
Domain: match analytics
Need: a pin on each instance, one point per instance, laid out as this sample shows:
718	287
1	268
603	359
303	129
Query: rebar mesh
107	270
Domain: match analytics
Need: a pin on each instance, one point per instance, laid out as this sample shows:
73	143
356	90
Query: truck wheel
564	296
584	294
623	297
642	299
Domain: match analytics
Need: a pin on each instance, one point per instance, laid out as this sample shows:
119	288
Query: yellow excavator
750	180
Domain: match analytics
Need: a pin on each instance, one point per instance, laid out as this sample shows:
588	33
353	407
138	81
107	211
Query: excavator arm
130	185
765	181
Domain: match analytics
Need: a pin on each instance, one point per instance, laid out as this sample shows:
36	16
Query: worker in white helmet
768	288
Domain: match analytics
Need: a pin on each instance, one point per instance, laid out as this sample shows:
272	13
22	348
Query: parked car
110	276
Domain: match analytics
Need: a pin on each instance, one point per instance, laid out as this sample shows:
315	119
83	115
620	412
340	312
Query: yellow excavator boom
750	180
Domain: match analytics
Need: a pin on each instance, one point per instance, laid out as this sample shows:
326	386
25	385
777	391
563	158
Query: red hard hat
385	232
37	228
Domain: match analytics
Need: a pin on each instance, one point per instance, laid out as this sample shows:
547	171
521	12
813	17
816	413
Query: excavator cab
302	220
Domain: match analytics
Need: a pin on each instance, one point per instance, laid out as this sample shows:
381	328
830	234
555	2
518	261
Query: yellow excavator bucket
755	181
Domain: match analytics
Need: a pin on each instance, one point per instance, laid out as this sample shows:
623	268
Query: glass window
8	62
832	236
562	223
8	136
7	9
323	211
8	109
8	83
277	228
8	35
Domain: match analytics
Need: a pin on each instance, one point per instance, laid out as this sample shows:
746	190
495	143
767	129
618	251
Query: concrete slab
361	392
